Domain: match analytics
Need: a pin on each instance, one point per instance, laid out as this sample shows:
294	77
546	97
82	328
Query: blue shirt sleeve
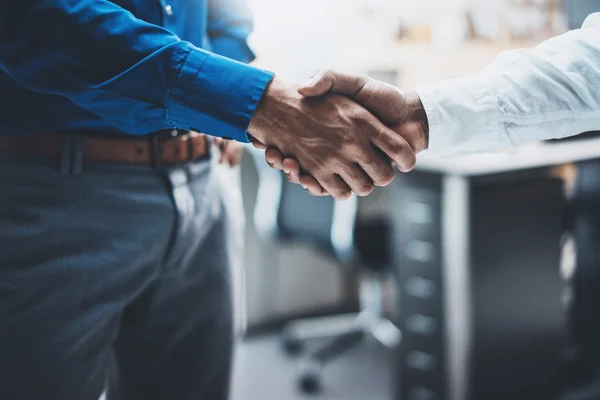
139	76
230	22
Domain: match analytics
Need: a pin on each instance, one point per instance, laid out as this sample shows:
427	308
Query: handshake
339	133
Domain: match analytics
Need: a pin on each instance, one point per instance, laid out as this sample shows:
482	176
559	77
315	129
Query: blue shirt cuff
216	95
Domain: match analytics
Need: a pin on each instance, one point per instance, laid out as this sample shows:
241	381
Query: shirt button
169	10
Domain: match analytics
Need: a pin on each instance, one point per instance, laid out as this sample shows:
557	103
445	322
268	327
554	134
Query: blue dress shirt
127	67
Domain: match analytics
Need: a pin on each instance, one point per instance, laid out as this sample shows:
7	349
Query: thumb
325	81
256	143
318	85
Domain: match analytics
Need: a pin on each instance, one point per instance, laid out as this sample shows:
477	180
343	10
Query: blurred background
472	278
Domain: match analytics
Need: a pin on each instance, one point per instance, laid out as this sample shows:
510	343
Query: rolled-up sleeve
140	77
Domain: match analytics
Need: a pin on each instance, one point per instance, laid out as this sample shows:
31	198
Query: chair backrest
372	243
285	212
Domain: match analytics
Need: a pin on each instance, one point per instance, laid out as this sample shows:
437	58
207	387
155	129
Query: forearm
138	76
551	91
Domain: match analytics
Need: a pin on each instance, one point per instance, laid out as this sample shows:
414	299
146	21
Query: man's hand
231	152
340	144
402	112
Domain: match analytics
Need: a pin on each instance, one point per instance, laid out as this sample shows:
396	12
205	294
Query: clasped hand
339	133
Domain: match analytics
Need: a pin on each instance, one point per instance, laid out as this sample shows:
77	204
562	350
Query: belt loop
155	153
77	161
66	154
191	149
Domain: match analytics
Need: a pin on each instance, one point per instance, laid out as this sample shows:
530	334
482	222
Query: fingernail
269	162
304	187
310	82
285	171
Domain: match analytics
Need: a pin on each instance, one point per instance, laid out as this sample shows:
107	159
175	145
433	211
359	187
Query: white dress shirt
548	92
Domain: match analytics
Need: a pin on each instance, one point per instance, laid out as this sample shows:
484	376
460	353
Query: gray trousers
114	276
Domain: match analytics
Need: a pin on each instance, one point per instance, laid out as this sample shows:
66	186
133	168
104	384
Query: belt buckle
156	138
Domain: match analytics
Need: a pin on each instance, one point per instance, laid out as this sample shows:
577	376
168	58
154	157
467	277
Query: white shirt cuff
463	116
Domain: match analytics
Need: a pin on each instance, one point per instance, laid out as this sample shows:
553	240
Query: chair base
345	331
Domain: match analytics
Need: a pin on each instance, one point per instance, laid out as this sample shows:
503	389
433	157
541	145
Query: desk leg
456	281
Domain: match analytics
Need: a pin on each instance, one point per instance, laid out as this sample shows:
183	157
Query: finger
335	185
413	133
292	169
325	81
396	148
318	85
374	160
378	167
392	144
310	184
358	180
231	159
223	158
257	144
237	157
234	155
274	158
385	101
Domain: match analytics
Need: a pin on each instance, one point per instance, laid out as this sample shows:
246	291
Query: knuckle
313	167
349	146
364	188
340	193
358	114
363	84
343	195
347	138
367	157
397	146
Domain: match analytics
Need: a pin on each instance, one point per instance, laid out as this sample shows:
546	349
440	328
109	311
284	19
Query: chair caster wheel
309	383
292	346
309	380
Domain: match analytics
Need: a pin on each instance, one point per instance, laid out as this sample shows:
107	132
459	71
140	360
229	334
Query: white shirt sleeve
548	92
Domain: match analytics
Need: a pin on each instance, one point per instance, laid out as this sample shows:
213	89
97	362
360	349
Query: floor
263	372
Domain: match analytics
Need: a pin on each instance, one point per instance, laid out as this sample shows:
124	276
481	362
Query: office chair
285	213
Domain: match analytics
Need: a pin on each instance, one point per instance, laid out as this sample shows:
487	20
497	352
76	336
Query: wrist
268	111
416	113
257	122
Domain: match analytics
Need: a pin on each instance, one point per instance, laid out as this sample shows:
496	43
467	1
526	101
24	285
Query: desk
477	255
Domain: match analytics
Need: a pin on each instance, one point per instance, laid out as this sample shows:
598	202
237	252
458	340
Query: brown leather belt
171	147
